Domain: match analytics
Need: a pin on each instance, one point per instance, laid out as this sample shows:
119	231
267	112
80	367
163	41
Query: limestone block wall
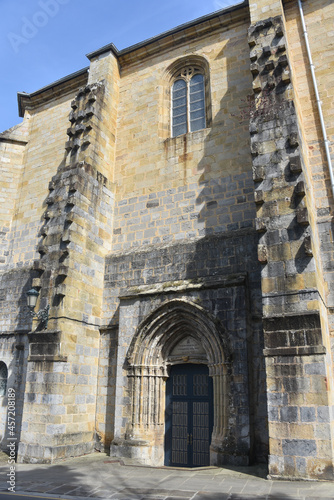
299	415
13	304
63	361
221	255
113	220
297	349
75	237
169	189
282	212
105	69
44	154
12	147
63	211
318	19
105	401
182	189
44	132
14	353
188	211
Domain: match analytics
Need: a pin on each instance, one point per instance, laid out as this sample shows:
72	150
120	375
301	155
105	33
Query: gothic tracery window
3	378
188	101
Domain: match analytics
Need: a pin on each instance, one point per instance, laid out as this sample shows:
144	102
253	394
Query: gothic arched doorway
177	333
189	416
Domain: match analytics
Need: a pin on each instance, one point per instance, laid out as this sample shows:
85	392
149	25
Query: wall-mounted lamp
43	314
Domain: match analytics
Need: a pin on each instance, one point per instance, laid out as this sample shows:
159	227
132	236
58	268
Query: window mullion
188	102
188	105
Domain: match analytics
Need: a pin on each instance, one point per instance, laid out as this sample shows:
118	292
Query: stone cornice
60	87
183	286
181	34
11	140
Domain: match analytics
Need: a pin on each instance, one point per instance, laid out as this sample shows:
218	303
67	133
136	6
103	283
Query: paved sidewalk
99	476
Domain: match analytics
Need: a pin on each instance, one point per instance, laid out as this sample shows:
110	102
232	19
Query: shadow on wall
105	407
23	326
230	243
19	324
13	405
228	246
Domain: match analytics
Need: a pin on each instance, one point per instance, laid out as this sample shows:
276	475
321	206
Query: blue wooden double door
189	416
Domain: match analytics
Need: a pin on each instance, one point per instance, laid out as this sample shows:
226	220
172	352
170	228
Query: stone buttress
297	362
60	404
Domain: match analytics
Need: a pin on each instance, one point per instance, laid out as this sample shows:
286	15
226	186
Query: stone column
144	436
224	448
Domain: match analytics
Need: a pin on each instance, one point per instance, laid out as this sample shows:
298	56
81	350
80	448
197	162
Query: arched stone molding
166	81
182	62
149	357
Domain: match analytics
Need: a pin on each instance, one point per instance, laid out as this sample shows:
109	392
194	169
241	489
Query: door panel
180	432
189	416
200	433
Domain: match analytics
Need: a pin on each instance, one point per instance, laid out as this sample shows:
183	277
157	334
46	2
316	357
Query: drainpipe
323	128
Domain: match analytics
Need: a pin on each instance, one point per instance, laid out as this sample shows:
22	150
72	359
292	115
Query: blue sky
44	40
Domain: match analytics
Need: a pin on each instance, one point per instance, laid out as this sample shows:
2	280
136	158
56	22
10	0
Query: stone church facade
172	206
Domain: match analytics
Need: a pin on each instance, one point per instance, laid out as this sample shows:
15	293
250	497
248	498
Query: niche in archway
187	350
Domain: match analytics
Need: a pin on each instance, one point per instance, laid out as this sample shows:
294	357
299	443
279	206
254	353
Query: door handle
190	439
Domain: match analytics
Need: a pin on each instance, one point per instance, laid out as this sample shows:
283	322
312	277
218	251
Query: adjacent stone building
172	205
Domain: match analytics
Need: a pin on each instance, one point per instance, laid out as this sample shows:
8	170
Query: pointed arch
160	331
182	62
195	63
148	359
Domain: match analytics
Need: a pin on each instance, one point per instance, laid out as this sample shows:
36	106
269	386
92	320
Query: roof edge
24	95
111	47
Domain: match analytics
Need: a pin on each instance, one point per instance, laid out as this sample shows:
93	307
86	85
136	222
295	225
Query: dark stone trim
45	346
183	285
108	328
208	17
295	351
228	235
15	332
307	320
23	98
46	357
10	140
47	336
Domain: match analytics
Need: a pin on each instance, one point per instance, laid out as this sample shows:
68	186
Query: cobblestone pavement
99	476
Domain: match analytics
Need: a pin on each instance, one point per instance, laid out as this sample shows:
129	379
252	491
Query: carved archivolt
158	343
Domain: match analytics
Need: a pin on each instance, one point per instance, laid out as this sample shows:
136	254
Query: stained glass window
179	108
188	102
196	102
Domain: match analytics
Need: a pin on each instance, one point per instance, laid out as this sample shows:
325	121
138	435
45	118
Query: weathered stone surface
292	335
211	248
